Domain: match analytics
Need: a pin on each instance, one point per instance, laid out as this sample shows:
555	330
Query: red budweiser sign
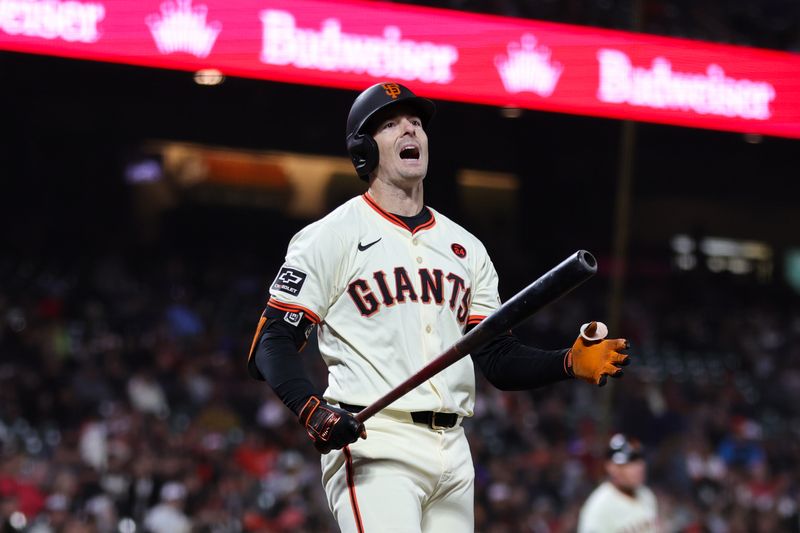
441	54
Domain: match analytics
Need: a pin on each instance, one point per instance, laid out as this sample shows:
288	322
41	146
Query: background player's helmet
363	116
623	450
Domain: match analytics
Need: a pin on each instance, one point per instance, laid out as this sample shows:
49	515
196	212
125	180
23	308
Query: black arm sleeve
510	365
277	358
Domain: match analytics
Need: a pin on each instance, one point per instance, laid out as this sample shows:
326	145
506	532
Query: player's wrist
568	364
310	405
329	427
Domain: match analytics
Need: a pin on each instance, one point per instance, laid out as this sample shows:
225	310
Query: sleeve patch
289	280
293	317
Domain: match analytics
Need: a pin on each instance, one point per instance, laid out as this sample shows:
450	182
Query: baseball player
622	503
390	283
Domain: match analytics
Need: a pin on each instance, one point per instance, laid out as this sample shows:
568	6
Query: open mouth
409	152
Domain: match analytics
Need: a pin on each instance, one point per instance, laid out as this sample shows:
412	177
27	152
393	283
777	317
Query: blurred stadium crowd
760	23
125	406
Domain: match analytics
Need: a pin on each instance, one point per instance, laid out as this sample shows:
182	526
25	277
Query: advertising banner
438	53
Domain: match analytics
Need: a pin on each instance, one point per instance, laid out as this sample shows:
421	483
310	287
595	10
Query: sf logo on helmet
392	89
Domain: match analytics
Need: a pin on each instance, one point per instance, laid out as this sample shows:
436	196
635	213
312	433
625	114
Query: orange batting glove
593	358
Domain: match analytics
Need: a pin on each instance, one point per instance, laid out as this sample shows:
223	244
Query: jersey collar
394	219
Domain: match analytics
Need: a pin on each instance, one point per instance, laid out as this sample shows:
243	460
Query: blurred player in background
622	503
391	283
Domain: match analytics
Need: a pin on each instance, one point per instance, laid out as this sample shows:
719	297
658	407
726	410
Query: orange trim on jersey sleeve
261	322
351	487
475	319
393	219
294	308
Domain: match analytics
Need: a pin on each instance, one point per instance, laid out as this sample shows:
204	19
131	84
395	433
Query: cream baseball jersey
388	300
608	510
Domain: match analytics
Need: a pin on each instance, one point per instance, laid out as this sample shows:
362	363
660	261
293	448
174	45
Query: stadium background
128	297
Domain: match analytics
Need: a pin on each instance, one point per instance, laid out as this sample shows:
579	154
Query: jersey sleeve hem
475	319
294	308
251	362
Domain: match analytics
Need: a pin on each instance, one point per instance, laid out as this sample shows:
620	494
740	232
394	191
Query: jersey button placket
428	315
427	349
415	242
423	311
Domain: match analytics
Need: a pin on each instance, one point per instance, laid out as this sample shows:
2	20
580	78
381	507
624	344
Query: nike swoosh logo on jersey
365	246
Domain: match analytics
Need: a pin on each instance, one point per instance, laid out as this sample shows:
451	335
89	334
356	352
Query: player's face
403	147
628	476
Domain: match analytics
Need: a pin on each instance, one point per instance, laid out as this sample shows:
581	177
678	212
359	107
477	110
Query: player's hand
593	358
329	427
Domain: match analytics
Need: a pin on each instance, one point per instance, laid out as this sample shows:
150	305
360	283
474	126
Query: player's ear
364	153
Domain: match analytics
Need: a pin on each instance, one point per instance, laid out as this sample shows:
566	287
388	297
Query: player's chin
413	176
414	169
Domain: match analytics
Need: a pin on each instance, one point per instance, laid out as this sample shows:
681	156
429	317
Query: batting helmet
362	147
623	450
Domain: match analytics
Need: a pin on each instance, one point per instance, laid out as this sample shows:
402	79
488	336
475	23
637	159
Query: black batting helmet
362	147
623	449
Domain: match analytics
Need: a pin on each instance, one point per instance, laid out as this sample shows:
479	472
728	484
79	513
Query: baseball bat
560	280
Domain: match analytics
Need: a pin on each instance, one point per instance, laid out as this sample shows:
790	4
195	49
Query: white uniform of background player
390	284
623	503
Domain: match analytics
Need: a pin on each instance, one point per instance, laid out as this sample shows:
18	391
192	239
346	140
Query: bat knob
594	331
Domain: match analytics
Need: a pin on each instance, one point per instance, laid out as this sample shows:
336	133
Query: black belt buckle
446	424
436	421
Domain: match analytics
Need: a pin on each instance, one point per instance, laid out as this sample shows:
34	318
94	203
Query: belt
431	419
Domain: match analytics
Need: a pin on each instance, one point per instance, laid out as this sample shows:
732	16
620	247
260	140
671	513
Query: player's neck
627	491
397	200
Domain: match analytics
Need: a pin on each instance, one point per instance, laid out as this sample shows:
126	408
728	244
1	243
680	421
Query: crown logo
528	67
180	27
